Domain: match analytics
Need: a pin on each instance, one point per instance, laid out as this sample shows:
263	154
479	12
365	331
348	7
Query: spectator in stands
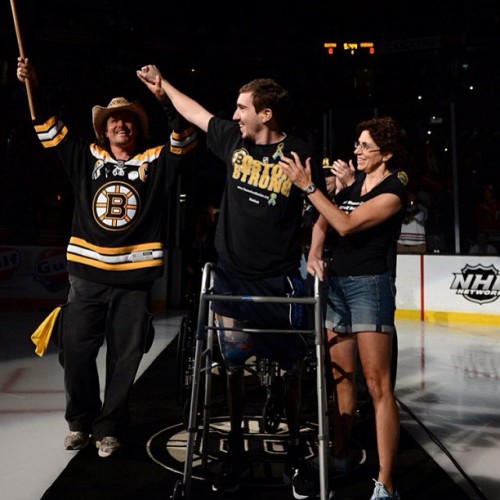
201	248
487	214
412	237
483	245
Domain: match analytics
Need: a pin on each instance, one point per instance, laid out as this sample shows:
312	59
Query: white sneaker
380	493
108	446
76	440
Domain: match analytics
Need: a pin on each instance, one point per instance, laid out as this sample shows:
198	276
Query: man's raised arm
191	110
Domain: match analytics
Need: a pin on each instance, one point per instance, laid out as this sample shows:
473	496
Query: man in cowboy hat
115	253
100	115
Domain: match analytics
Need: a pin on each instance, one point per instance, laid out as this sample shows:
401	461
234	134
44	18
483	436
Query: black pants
96	313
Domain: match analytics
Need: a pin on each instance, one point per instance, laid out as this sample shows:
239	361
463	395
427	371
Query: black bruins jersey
119	218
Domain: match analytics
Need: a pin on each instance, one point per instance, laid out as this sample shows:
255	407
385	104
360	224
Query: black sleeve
175	120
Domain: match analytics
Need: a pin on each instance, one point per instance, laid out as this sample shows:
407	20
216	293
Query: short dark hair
267	93
386	132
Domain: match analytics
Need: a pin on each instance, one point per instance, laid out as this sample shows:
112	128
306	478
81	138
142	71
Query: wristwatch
310	189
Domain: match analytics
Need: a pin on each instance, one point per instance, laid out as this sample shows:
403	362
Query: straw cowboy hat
100	114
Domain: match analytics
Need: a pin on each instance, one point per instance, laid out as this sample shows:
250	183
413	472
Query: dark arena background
432	65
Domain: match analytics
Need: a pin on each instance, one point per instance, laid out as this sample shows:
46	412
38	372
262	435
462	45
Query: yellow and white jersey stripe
181	143
51	132
148	156
124	258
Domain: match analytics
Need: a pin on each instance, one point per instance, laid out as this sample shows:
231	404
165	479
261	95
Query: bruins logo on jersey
115	206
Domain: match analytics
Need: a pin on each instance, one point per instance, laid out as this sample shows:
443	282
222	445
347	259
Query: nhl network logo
478	284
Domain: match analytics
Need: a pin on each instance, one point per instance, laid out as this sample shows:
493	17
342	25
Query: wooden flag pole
21	53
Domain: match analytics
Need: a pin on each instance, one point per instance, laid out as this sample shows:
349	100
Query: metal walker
204	353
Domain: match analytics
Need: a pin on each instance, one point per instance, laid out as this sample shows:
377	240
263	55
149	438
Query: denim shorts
361	304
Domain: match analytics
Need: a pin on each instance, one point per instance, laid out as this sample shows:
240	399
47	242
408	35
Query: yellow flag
42	334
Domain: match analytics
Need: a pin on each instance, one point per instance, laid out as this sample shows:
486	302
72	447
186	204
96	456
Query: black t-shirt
366	252
261	210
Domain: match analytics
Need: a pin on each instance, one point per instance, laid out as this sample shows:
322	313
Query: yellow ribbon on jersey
41	335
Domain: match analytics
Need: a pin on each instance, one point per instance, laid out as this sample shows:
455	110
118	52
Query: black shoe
231	472
305	483
338	467
295	457
345	465
234	467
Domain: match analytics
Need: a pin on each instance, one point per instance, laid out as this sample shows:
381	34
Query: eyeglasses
365	147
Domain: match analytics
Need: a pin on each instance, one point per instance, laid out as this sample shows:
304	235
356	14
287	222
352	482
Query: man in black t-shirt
259	249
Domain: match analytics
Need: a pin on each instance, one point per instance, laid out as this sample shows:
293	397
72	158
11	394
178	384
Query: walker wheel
271	415
179	490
